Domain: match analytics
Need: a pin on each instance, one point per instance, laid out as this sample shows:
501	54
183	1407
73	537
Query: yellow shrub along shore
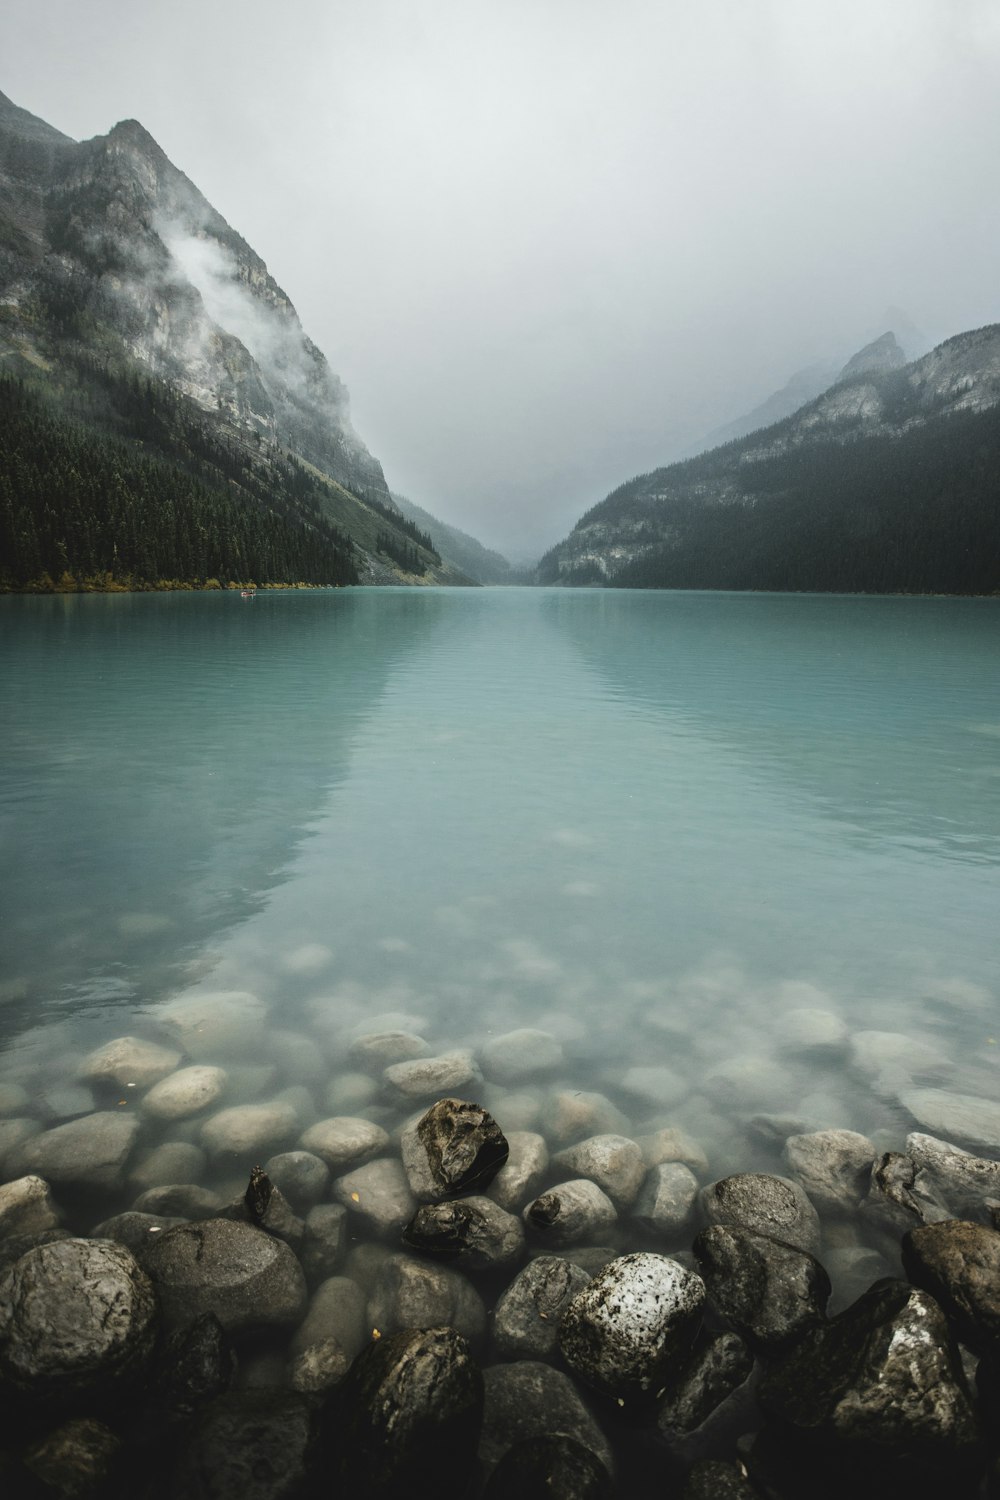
107	583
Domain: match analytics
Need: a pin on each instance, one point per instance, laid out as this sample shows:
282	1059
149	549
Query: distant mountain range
165	417
887	481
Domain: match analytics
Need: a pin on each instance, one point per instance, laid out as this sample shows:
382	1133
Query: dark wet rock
878	1391
527	1317
258	1194
136	1231
550	1467
572	1114
834	1167
765	1204
570	1214
965	1119
409	1293
522	1174
967	1184
77	1317
301	1176
666	1201
770	1292
376	1050
426	1077
317	1368
195	1364
91	1152
16	1245
632	1325
408	1416
246	1277
456	1147
26	1207
324	1241
614	1162
254	1444
75	1461
959	1264
528	1399
336	1311
715	1479
277	1217
896	1201
344	1142
714	1373
378	1195
520	1054
181	1200
475	1232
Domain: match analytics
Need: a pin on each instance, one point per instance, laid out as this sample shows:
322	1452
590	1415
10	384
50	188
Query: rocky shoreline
423	1297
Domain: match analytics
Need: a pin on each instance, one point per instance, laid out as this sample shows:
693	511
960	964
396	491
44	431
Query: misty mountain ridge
113	263
884	482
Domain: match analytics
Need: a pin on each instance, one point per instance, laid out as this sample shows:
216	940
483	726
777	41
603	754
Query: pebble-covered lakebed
462	1273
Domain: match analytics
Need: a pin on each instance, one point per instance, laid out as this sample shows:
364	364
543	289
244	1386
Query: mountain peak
881	355
18	121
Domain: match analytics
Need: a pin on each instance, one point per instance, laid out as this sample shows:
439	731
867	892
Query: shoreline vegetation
107	583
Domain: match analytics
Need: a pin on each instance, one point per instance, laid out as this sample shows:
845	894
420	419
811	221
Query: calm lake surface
650	823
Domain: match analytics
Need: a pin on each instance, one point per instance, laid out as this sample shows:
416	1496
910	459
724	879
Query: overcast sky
550	243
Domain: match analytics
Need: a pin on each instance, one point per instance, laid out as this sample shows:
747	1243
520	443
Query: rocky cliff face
866	427
108	247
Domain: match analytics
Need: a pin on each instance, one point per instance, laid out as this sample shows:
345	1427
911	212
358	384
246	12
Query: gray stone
768	1291
135	1231
962	1118
173	1161
959	1264
665	1205
614	1162
255	1444
570	1115
634	1323
519	1179
378	1195
77	1317
227	1023
765	1204
336	1311
324	1241
317	1368
714	1373
14	1099
277	1217
26	1207
673	1144
409	1293
552	1466
183	1200
834	1167
813	1032
91	1152
656	1087
242	1275
16	1245
429	1077
520	1054
349	1092
301	1176
570	1214
896	1201
409	1408
196	1363
967	1184
129	1060
746	1081
527	1317
186	1092
456	1147
377	1050
879	1390
13	1134
251	1131
476	1233
66	1101
530	1399
889	1060
344	1141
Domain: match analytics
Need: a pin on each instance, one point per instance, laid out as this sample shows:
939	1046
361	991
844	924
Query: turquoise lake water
652	823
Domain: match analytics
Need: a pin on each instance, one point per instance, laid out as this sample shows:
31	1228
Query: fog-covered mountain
888	481
150	333
479	563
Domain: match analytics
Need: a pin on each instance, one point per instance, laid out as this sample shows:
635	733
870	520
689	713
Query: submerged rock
336	1312
527	1400
474	1232
768	1291
519	1179
324	1241
76	1460
195	1364
614	1162
527	1317
552	1466
520	1054
965	1118
250	1130
716	1370
26	1207
834	1167
665	1205
570	1115
186	1092
378	1195
377	1050
91	1152
767	1205
301	1176
456	1147
625	1331
408	1417
172	1161
255	1444
129	1060
246	1277
344	1142
969	1185
77	1318
182	1200
570	1214
426	1076
226	1023
409	1293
